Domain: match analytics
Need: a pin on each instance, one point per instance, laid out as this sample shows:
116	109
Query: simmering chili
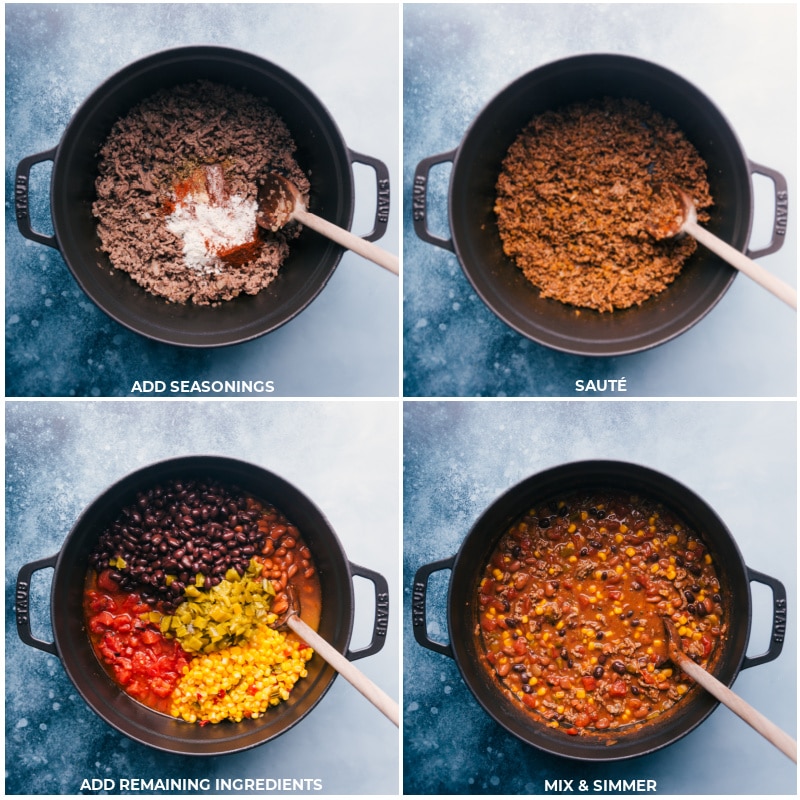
571	606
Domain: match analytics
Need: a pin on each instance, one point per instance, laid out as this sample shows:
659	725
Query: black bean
689	596
598	672
618	667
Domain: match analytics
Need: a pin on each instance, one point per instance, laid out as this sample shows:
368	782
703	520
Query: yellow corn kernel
572	559
580	694
533	681
682	688
618	538
630	552
572	528
541	691
623	528
654	568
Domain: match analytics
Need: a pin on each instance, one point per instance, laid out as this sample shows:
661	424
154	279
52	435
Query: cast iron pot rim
158	59
461	653
546	339
194	462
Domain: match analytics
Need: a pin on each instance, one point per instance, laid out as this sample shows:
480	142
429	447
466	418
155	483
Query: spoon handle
769	730
744	264
358	679
349	240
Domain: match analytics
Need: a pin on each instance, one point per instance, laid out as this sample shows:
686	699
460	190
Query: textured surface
457	58
459	457
58	342
61	455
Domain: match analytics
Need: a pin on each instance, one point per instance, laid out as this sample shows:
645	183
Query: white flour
208	229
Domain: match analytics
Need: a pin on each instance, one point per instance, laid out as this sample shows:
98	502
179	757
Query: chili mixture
574	194
181	595
571	607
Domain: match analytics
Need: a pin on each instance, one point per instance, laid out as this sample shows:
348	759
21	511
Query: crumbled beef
574	195
162	141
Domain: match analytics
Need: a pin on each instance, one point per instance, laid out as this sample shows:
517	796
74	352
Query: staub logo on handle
382	614
21	197
779	626
418	604
781	212
383	200
22	602
418	200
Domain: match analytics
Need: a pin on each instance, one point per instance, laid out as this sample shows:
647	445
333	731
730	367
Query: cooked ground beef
574	194
158	149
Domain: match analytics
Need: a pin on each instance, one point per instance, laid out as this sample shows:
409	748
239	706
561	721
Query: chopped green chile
571	607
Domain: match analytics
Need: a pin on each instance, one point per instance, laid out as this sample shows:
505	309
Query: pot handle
381	622
23	606
22	201
419	594
778	619
382	181
419	202
781	210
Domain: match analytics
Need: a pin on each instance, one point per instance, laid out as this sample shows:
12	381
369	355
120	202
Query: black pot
71	642
467	568
321	152
495	277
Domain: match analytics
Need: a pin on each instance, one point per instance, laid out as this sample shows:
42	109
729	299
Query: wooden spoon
291	619
674	213
769	730
279	202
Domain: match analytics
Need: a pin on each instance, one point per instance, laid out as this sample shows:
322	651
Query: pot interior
495	277
321	153
159	730
553	484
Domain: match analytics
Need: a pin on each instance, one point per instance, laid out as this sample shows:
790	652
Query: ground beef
163	143
574	194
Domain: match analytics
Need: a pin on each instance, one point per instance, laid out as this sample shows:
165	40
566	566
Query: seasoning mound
176	193
574	194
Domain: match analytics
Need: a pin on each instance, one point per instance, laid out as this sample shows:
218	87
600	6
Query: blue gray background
62	454
58	343
460	456
457	57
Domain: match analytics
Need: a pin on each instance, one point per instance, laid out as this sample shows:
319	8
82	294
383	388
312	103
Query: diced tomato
589	683
106	582
161	687
489	624
707	645
618	689
149	636
100	622
529	700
